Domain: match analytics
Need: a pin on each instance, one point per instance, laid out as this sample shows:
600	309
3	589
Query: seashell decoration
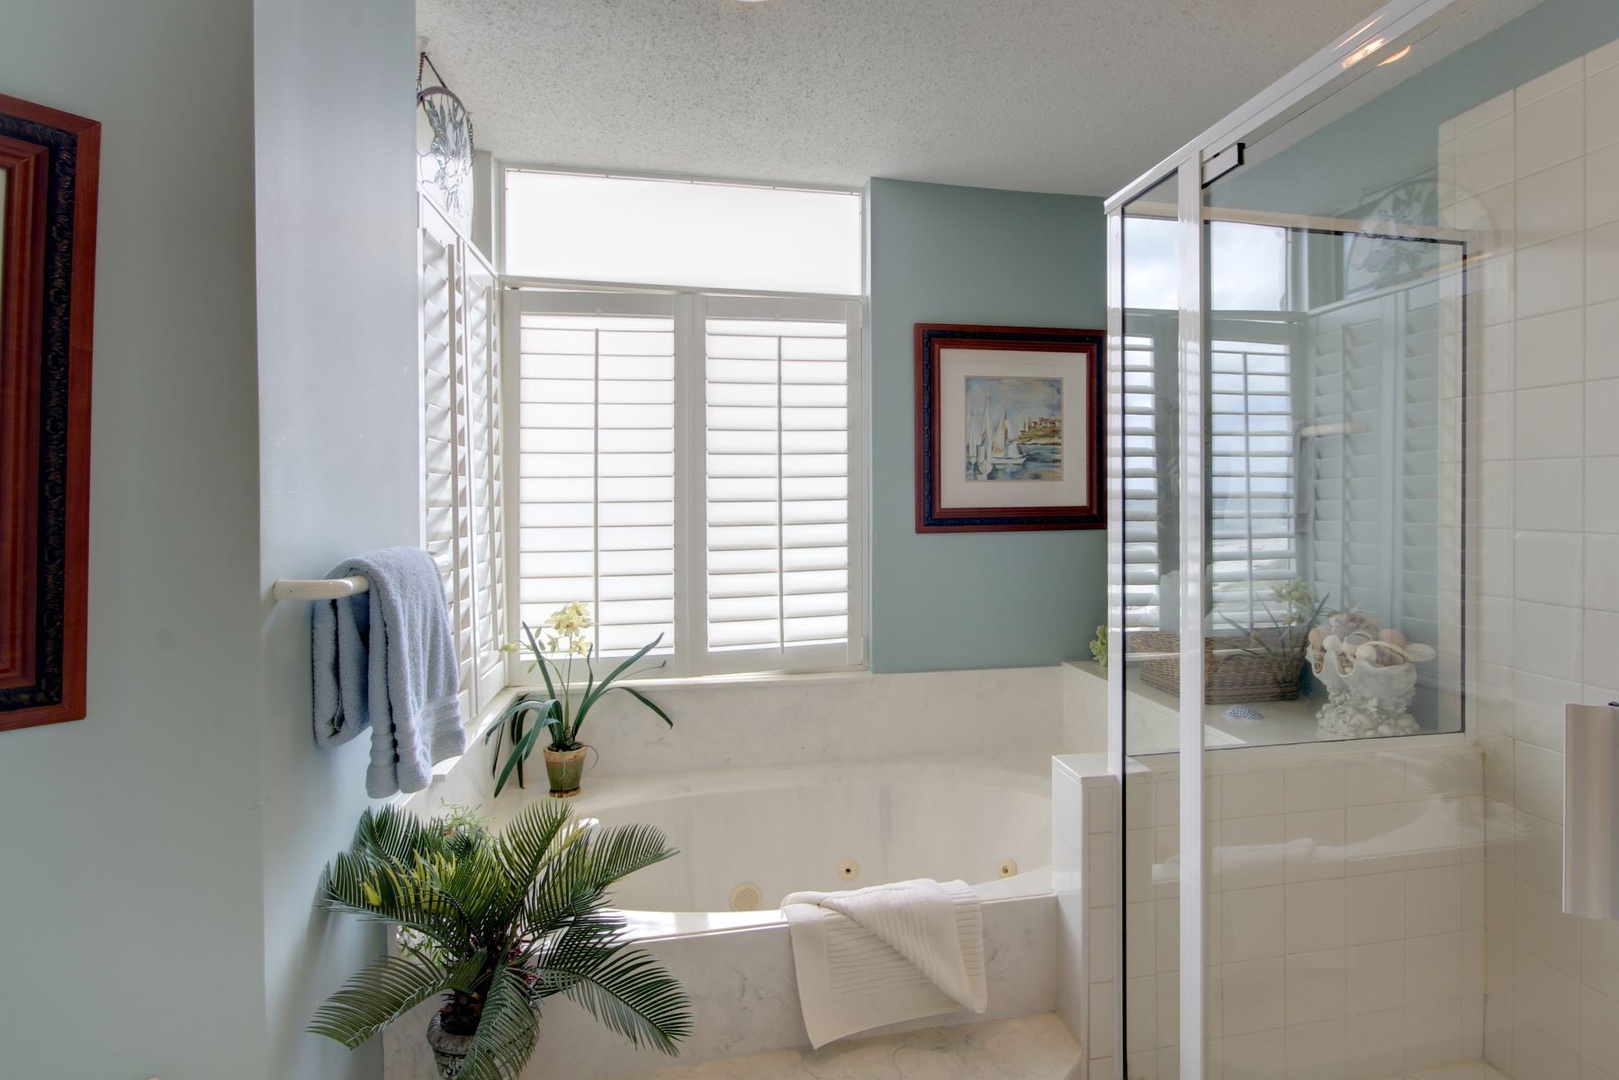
1370	676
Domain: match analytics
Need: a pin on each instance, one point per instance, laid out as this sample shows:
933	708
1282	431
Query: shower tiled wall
1345	916
1532	179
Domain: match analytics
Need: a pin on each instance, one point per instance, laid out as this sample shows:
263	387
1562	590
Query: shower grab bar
319	588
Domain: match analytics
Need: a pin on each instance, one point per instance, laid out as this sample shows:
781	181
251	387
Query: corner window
687	461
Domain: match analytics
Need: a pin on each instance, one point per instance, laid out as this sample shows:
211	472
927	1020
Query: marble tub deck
1026	1048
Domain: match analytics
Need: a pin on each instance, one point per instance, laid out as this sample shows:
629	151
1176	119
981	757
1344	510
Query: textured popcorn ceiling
1043	95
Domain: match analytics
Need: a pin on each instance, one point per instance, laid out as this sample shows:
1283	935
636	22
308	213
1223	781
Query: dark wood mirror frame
48	178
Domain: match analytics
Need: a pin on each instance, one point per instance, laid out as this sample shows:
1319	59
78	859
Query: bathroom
1406	287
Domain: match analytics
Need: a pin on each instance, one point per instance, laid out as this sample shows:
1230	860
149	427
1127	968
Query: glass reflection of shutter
1252	487
1142	477
1376	379
777	478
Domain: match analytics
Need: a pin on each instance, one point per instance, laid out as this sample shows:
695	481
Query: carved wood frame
50	161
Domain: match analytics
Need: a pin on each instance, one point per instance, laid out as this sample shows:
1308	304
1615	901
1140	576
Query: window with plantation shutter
462	525
777	478
684	469
596	477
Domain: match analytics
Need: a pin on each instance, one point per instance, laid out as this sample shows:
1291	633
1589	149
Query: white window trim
692	659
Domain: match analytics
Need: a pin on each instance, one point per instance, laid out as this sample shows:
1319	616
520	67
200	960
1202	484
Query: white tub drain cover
745	897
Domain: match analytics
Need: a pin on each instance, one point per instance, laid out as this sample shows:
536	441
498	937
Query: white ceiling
1076	96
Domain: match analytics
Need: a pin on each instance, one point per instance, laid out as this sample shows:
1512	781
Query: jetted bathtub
747	838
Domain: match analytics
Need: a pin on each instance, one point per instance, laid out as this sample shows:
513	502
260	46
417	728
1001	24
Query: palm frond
506	1033
634	995
525	844
383	992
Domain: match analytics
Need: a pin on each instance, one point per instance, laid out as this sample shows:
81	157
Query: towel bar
319	588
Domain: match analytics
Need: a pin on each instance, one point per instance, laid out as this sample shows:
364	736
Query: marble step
1024	1048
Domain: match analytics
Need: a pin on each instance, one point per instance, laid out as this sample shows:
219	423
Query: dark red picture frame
50	160
931	516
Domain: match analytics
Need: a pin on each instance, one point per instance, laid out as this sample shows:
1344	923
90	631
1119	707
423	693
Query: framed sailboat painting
1009	428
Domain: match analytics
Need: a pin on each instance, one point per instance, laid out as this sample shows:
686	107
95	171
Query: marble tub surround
1010	713
1345	908
1026	1048
745	1000
782	829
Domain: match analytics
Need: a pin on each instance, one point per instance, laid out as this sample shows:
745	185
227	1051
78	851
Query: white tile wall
1346	913
1551	982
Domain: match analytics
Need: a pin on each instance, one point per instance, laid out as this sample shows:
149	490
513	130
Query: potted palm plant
493	924
559	713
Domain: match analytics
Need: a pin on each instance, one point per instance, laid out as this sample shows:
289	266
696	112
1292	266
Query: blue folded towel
386	658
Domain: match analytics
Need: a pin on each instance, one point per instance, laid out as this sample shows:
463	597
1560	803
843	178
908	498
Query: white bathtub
785	829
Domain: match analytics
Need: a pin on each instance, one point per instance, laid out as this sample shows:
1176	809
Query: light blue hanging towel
386	658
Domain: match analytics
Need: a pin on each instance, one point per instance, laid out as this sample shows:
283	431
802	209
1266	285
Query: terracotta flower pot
449	1051
564	768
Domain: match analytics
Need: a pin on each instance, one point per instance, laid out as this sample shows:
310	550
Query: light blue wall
969	255
130	883
338	464
159	859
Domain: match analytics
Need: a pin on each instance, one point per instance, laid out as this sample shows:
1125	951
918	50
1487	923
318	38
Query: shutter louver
597	483
777	483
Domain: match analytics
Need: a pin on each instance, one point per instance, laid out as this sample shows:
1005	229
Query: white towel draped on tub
883	955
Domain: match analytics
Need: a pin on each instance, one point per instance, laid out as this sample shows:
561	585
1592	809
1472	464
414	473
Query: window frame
690	308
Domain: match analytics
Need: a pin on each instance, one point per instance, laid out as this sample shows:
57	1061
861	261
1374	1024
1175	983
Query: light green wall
130	884
969	255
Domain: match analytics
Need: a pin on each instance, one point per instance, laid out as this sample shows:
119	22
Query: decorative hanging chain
425	63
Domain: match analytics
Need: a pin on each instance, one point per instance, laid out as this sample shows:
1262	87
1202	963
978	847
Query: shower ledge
1024	1048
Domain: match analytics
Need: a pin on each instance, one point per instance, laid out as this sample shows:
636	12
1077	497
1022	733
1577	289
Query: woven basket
1230	674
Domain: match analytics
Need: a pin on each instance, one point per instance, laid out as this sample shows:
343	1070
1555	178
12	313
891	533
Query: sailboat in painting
1005	450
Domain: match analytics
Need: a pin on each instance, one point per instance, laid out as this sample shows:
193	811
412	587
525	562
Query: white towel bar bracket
319	588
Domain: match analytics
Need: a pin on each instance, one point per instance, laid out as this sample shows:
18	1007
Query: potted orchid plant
559	713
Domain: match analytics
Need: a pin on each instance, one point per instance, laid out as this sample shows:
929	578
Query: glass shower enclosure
1361	347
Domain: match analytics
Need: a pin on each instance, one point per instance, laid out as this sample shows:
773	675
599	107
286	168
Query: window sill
745	678
487	719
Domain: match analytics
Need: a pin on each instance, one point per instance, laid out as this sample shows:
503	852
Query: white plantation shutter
596	429
777	477
685	469
484	425
461	425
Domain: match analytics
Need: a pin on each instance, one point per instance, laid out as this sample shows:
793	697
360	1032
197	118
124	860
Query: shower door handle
1591	811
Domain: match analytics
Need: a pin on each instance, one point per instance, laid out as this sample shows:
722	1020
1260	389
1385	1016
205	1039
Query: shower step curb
1022	1048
